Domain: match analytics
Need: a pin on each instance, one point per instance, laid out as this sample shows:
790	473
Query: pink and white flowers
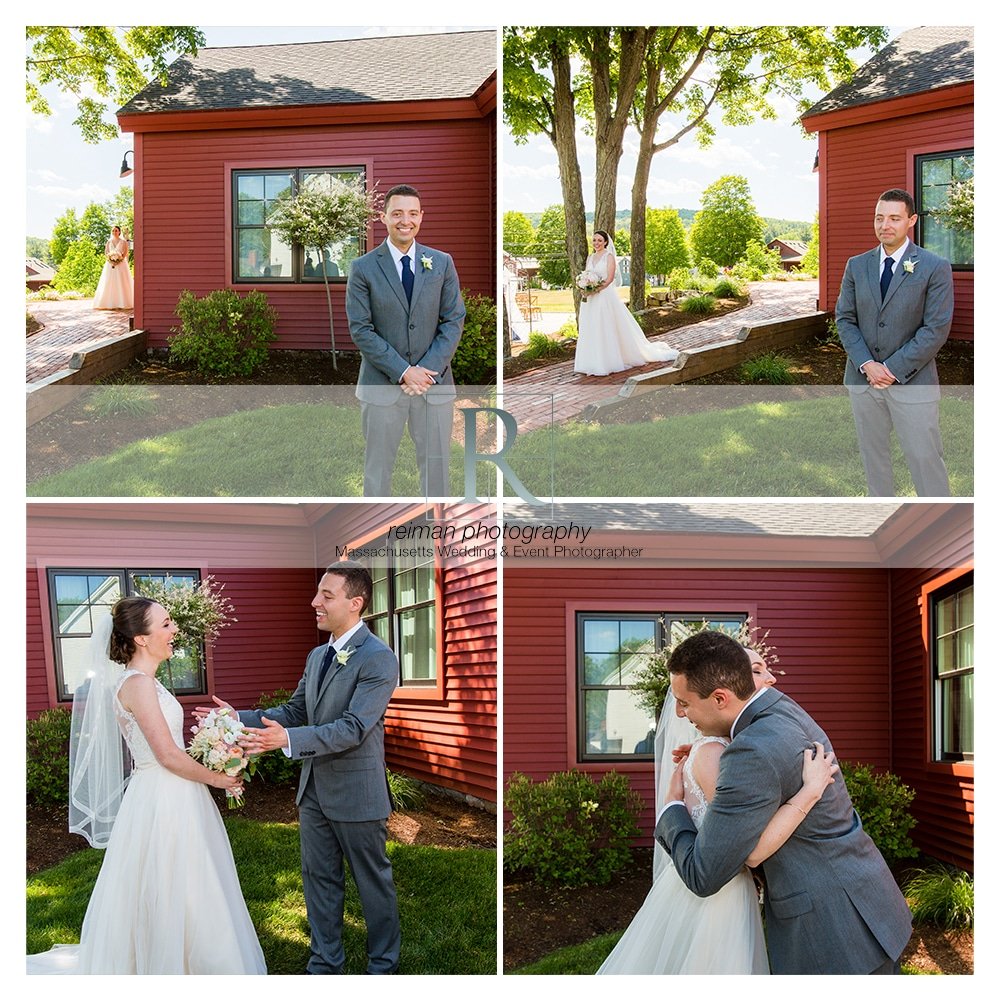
588	281
216	746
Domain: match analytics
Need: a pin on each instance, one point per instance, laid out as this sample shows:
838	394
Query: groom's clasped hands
255	740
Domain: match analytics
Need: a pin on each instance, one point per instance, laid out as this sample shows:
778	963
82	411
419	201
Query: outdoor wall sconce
126	170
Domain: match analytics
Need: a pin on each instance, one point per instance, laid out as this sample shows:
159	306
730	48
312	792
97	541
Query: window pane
637	635
380	595
616	724
957	717
251	213
277	186
262	255
417	653
379	625
600	669
250	186
600	636
406	588
75	662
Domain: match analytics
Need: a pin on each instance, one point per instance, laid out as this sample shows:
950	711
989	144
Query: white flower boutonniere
427	262
344	656
908	266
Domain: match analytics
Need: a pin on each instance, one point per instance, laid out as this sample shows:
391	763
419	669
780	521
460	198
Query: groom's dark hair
710	661
899	195
357	580
406	190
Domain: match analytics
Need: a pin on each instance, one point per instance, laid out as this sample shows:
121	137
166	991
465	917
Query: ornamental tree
326	210
727	222
518	234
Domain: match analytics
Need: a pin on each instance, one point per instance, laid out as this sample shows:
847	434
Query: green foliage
38	247
769	368
757	262
727	221
941	896
810	260
223	333
569	831
475	359
698	306
666	242
707	268
882	801
406	793
568	330
47	759
550	248
729	288
276	767
80	270
540	346
680	280
95	225
518	234
65	232
959	209
122	400
111	63
623	241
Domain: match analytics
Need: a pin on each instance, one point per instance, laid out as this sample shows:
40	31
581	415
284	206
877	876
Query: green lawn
561	300
798	448
447	903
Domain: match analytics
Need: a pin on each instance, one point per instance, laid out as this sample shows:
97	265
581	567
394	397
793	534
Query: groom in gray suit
334	723
831	904
893	315
405	313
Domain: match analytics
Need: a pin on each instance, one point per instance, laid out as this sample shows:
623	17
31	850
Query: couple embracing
754	788
167	899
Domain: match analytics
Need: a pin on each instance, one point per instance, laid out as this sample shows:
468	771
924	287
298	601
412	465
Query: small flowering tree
959	211
325	210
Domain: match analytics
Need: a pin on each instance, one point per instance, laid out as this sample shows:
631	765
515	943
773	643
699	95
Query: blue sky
773	155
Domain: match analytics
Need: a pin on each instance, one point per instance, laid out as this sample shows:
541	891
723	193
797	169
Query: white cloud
38	123
48	175
549	170
82	193
660	189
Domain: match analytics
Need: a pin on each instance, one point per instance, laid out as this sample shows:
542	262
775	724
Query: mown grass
447	903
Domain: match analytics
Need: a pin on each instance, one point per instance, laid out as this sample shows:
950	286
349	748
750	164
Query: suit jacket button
413	327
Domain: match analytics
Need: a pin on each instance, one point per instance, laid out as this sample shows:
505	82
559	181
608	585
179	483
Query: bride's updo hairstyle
129	619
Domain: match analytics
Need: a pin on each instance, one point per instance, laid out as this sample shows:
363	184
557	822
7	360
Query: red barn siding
829	627
183	194
857	163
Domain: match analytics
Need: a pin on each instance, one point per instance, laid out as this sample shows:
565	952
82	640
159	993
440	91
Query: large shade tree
518	234
666	242
726	222
100	63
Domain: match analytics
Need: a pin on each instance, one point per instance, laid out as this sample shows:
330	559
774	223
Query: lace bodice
691	787
598	263
138	746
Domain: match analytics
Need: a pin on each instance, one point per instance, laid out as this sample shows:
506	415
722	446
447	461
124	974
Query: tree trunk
508	352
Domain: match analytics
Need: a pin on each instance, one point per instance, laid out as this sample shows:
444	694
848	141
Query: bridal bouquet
115	259
216	746
588	281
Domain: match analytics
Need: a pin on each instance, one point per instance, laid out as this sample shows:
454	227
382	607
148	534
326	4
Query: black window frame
939	680
920	235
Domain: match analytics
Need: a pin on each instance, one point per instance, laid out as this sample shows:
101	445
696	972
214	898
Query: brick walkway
69	327
557	393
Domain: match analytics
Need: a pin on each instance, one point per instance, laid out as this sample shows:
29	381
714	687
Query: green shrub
679	280
541	346
707	267
698	306
80	270
122	399
406	792
223	334
729	288
941	896
768	368
569	831
48	757
276	767
475	361
568	330
882	801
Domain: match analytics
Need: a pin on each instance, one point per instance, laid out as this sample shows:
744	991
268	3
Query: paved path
69	327
556	393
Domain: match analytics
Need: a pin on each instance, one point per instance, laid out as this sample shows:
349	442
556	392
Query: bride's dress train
167	899
677	932
610	339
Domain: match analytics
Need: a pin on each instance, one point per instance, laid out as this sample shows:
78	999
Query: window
610	649
403	612
259	254
77	597
935	173
953	660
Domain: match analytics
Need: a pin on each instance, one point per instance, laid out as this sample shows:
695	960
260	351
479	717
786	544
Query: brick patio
70	327
556	393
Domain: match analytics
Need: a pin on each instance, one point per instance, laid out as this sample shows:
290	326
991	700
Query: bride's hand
681	752
675	789
818	769
200	712
231	784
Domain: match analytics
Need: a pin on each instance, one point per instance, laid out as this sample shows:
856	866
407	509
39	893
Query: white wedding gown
610	339
677	932
114	288
167	899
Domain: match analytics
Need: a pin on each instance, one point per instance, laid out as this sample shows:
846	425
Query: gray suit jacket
338	730
392	334
907	329
831	905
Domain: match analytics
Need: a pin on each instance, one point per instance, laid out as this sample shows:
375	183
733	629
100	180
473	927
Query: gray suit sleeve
370	343
451	318
376	683
290	714
930	336
847	321
746	798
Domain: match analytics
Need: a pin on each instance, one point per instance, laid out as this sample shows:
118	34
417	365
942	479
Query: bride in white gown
610	338
114	289
675	931
167	899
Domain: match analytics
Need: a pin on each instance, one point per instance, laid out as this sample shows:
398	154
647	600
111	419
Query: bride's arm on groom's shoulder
818	768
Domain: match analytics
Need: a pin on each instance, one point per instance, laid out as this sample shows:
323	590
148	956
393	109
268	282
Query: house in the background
439	615
791	251
234	128
867	606
904	120
37	273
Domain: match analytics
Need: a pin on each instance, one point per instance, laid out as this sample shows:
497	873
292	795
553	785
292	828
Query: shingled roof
916	61
352	71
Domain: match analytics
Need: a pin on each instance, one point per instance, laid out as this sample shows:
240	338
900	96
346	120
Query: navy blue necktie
407	277
886	276
325	666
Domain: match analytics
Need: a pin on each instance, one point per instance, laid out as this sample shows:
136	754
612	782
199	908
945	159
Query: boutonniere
344	656
427	262
908	266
